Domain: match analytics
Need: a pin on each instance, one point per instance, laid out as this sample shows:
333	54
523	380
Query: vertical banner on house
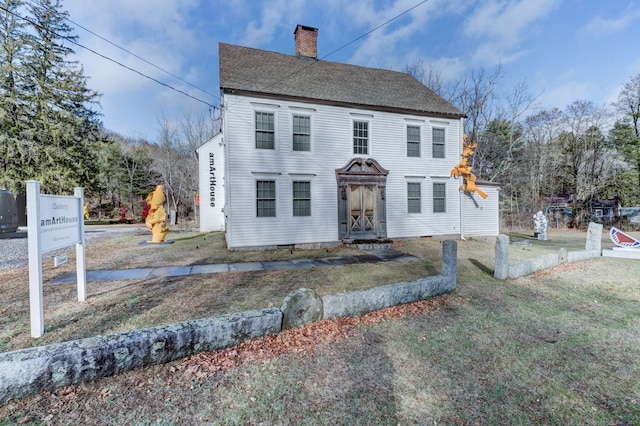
54	222
211	185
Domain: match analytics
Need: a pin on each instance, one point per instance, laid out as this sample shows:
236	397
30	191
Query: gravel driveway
14	249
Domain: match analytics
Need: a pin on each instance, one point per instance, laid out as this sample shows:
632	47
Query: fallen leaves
303	340
563	267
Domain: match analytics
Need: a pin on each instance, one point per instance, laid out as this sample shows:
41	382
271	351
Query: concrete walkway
177	271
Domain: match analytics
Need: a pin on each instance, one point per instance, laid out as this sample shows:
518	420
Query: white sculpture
540	221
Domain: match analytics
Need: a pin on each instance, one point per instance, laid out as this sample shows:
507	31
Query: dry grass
115	306
559	347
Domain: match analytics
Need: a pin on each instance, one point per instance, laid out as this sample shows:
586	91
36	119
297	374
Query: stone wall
503	269
361	302
29	371
33	370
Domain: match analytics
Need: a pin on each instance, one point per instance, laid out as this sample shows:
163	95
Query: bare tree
587	157
135	161
541	131
196	130
501	139
476	95
427	75
628	103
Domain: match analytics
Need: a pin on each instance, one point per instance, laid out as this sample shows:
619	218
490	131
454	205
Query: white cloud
451	36
564	94
163	32
276	16
384	47
154	30
502	25
506	21
605	26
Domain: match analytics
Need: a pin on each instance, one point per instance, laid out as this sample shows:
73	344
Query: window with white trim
265	130
438	142
414	198
439	197
413	141
361	137
301	198
266	198
301	133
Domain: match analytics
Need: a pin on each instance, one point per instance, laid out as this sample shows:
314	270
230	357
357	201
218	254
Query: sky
562	50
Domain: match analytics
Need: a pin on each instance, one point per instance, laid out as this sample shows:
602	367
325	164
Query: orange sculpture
156	216
464	169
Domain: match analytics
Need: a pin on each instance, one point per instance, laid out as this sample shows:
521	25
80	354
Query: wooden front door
361	200
362	210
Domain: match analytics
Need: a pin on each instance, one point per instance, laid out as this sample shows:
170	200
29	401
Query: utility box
8	212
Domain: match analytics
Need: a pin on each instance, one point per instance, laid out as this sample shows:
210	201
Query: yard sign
54	222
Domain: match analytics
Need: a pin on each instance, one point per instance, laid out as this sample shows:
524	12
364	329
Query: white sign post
54	222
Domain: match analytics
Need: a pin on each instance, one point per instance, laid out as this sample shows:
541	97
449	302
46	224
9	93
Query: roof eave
438	114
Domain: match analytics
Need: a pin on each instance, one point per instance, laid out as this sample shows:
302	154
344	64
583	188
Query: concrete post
501	267
450	259
594	237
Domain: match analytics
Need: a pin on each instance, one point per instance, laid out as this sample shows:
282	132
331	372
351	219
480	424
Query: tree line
130	168
51	130
583	154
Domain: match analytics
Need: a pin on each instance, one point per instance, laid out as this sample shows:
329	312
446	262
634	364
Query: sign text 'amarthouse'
54	222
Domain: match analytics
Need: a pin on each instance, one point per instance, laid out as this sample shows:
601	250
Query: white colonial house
316	153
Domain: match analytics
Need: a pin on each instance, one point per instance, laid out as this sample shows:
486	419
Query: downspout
461	199
226	210
461	217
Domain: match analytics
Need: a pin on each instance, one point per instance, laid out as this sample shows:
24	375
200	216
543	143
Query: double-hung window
265	130
302	198
361	137
266	198
301	133
437	138
413	197
439	197
413	141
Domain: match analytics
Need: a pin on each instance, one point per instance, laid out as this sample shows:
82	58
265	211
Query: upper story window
413	141
361	137
437	137
265	130
301	133
266	198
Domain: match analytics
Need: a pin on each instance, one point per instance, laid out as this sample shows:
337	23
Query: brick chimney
306	39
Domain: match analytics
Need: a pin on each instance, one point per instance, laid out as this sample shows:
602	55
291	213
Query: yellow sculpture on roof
464	169
156	216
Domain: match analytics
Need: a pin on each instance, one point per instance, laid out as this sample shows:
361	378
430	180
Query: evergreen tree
626	132
14	151
49	127
66	129
623	135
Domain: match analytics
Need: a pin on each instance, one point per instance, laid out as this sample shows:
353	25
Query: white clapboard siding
332	148
481	216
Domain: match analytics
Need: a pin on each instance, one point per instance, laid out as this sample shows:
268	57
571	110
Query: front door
362	210
361	200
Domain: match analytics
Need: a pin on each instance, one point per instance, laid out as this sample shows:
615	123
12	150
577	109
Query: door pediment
362	167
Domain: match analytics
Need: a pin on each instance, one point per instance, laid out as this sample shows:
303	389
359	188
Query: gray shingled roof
254	71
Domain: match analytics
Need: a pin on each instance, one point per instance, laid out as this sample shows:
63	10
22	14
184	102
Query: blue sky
564	50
